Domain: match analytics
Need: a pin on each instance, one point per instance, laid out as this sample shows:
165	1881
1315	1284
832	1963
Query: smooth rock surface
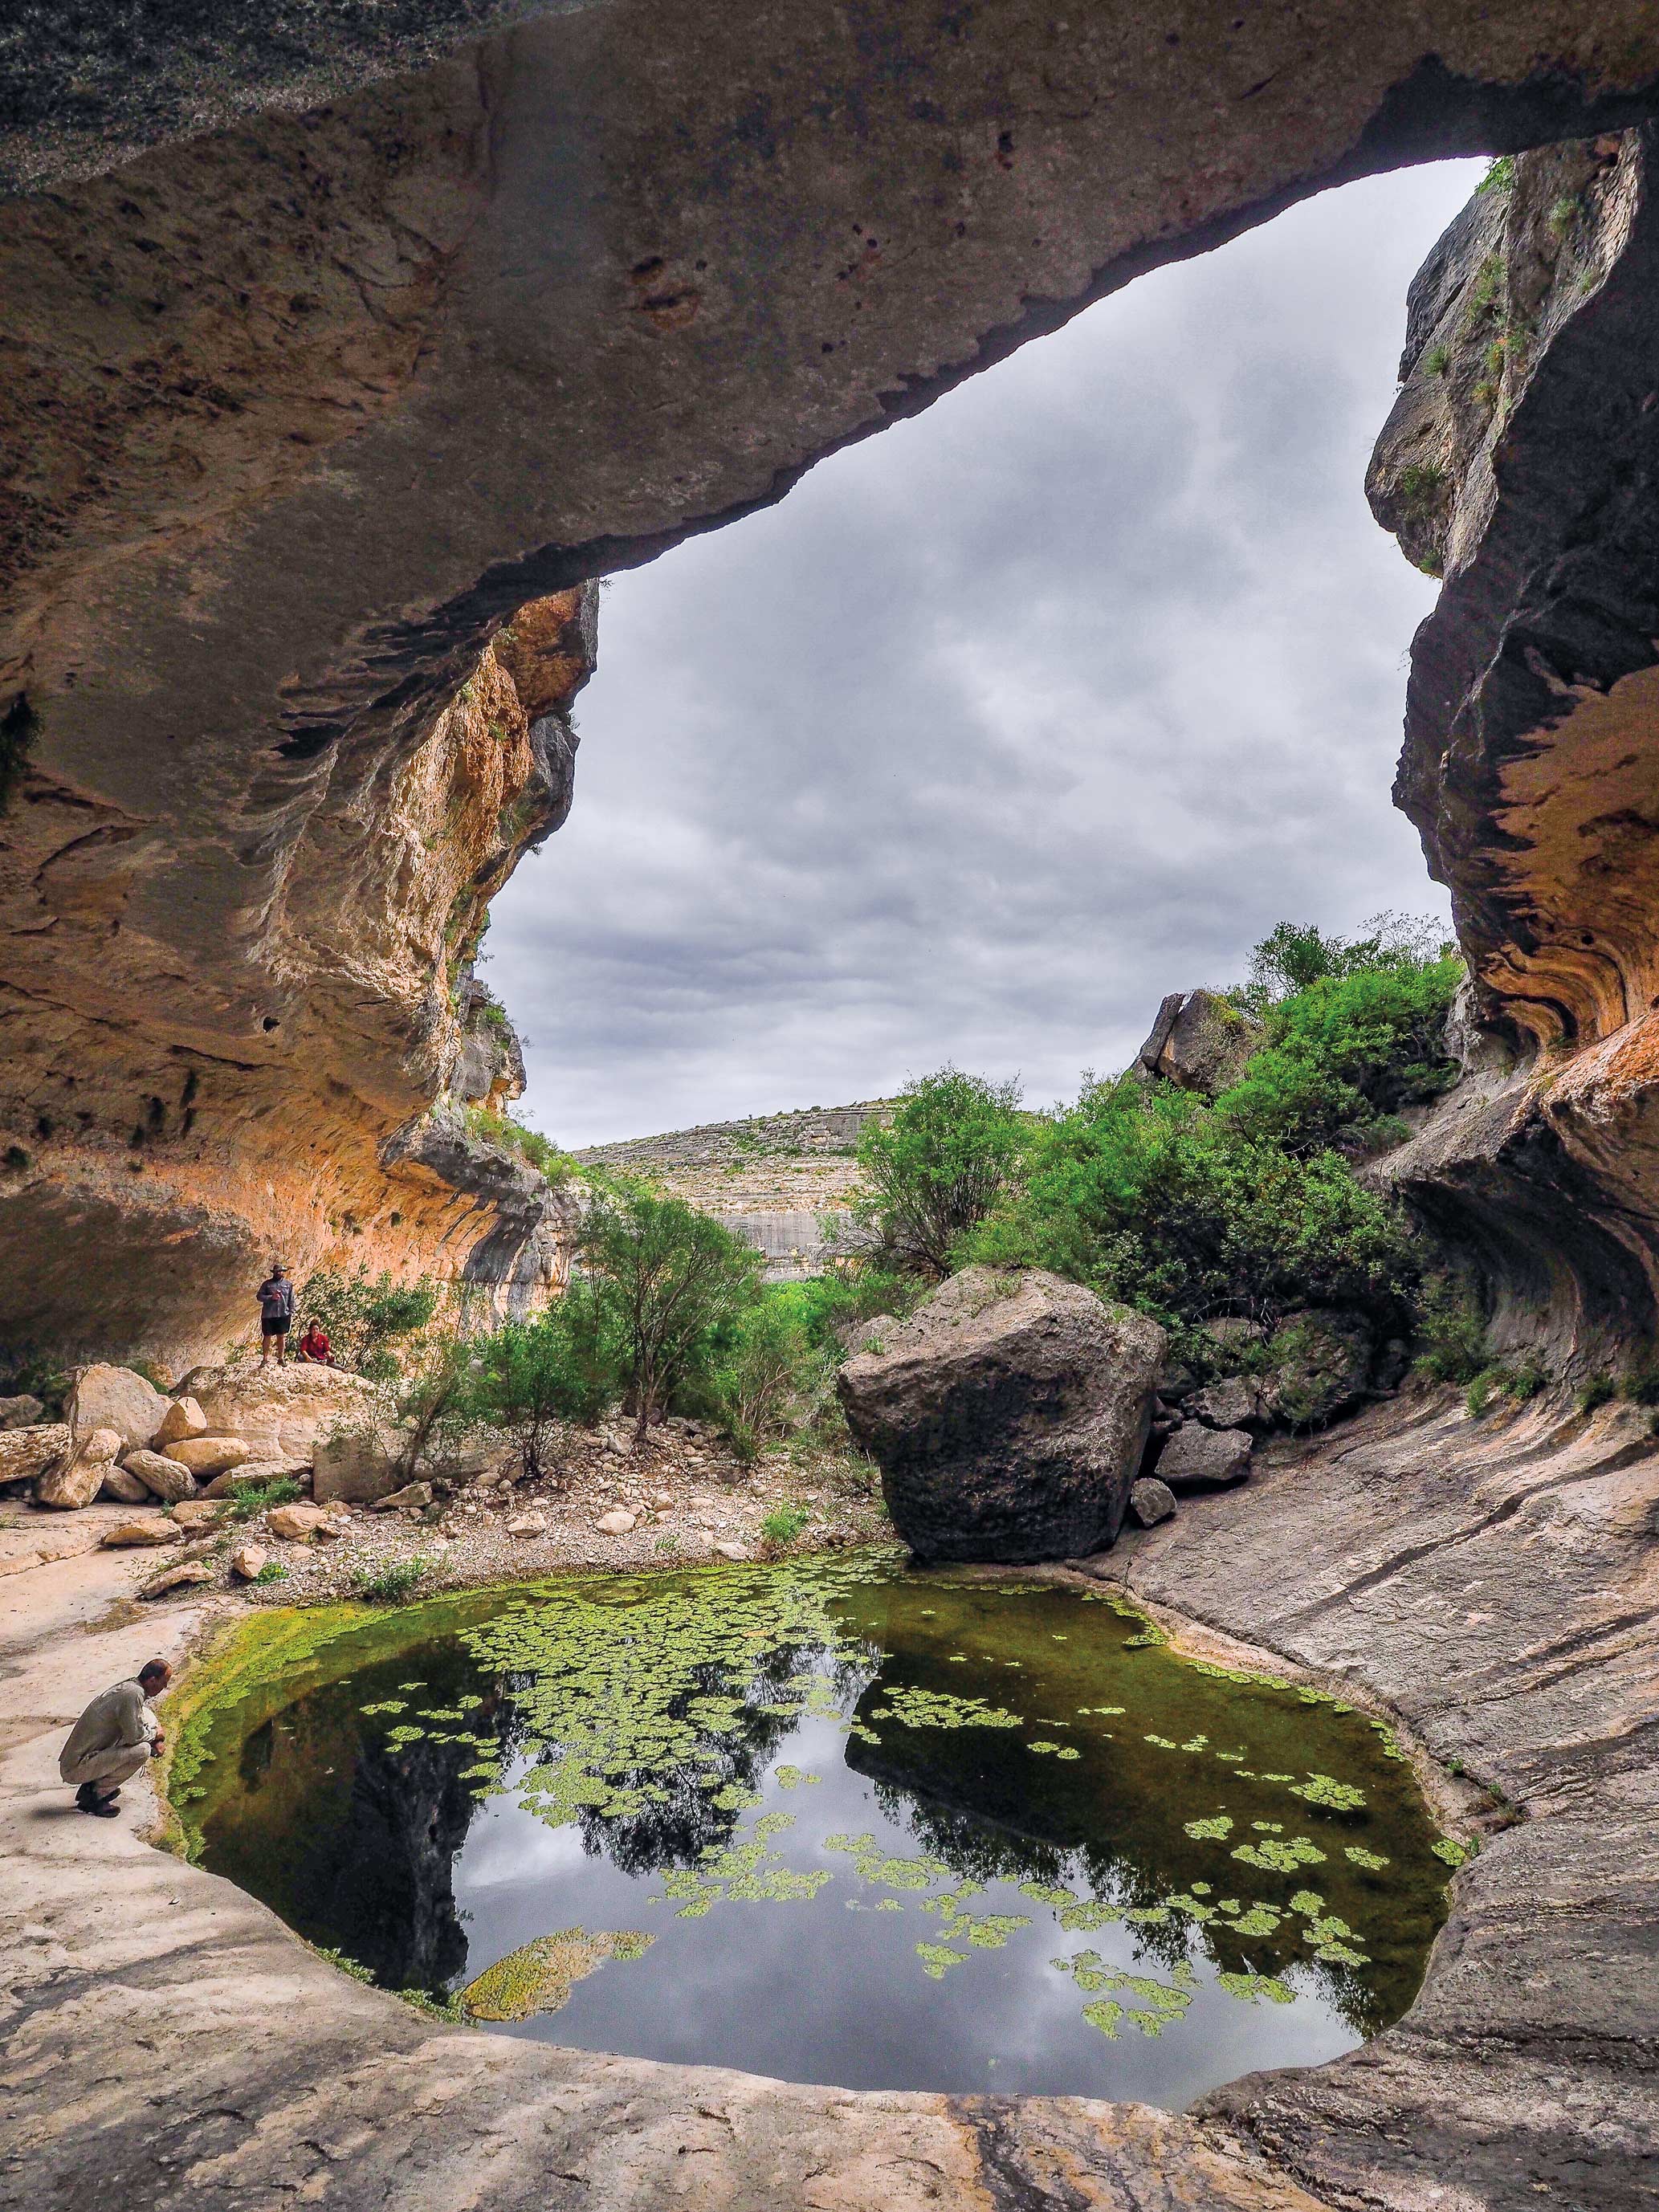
105	1397
1197	1458
183	1577
208	1456
358	1464
280	1412
161	1476
198	1513
183	1417
77	1480
154	1528
123	1488
295	1523
1008	1417
618	1523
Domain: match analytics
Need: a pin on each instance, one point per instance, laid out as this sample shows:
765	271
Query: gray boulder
360	1466
1235	1402
163	1477
1008	1417
1320	1367
1149	1501
24	1413
1197	1458
1200	1041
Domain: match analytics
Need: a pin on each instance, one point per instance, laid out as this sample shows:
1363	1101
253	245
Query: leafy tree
529	1377
772	1376
366	1316
667	1278
931	1174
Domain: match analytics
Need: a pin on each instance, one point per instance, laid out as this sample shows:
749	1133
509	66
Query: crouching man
113	1738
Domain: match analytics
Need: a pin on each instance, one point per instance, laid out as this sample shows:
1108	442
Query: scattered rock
28	1453
185	1574
196	1512
183	1417
115	1398
295	1523
1232	1331
1197	1458
208	1456
1150	1501
161	1475
1008	1417
413	1497
615	1444
618	1523
1233	1403
525	1525
22	1412
126	1534
246	1560
736	1552
662	1501
123	1488
281	1412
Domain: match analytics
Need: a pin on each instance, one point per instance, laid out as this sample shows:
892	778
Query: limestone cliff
242	1021
1522	460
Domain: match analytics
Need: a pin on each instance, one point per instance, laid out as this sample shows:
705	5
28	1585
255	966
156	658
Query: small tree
365	1315
668	1277
931	1174
531	1376
772	1378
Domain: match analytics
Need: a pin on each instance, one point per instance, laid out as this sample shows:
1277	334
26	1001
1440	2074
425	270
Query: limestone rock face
1200	1041
105	1397
1008	1417
358	1465
28	1453
1196	1458
279	1412
165	1478
78	1481
1522	463
1322	1362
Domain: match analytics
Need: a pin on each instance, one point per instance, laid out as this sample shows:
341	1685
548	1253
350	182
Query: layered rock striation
1521	462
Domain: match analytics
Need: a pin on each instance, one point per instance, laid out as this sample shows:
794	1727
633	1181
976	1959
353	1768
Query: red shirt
314	1344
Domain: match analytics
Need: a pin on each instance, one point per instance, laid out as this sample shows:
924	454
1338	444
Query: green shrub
1437	359
1499	177
1526	1381
769	1376
536	1151
783	1524
249	1500
1596	1392
1486	1386
1421	485
1641	1384
1451	1333
529	1377
272	1571
929	1177
391	1583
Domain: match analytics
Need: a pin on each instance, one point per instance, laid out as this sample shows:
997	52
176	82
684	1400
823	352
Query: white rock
196	1513
183	1417
295	1523
156	1529
115	1398
163	1477
735	1552
523	1525
246	1560
358	1462
662	1500
616	1524
255	1473
123	1488
171	1578
280	1411
208	1456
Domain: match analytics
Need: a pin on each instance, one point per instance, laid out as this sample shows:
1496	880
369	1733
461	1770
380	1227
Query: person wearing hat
275	1296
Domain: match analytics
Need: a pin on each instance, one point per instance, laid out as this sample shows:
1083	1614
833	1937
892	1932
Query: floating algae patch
861	1824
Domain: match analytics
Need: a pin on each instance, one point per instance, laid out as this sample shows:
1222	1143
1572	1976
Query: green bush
783	1524
1451	1333
529	1377
391	1583
249	1500
1596	1392
929	1177
272	1571
536	1151
770	1377
366	1318
668	1280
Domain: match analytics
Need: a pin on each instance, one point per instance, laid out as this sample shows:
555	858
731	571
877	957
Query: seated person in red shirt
314	1346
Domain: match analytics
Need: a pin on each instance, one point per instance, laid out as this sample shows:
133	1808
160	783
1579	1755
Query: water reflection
870	1827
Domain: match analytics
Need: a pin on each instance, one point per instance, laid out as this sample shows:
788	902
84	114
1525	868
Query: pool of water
834	1820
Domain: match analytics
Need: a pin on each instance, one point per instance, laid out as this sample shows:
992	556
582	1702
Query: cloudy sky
1005	722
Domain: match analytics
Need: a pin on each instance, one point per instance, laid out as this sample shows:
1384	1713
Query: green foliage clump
536	1151
529	1377
1437	359
1499	177
770	1374
272	1571
1598	1391
931	1174
1451	1333
249	1500
390	1584
784	1523
1420	483
367	1319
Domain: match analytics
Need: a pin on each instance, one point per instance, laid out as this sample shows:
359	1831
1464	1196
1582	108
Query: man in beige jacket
112	1739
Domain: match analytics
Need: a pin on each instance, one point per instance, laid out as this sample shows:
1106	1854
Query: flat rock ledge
166	2041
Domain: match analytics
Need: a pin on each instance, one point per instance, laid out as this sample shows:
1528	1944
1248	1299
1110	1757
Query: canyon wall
330	349
1522	463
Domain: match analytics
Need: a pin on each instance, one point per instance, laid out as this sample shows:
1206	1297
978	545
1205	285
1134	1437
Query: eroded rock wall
1522	461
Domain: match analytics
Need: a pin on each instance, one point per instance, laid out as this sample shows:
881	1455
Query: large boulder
208	1456
1235	1402
163	1477
78	1479
1200	1041
123	1488
1008	1417
115	1398
280	1411
1197	1458
183	1417
25	1454
359	1465
1320	1367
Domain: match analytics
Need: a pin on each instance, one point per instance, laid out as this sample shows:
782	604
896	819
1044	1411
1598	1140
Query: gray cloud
1005	722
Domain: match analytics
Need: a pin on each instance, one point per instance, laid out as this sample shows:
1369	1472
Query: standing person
275	1296
112	1739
